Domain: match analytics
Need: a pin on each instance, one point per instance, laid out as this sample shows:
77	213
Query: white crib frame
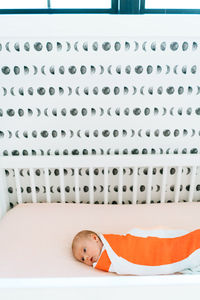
151	287
106	162
100	161
141	287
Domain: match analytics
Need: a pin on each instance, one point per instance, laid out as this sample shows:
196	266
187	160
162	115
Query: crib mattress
35	239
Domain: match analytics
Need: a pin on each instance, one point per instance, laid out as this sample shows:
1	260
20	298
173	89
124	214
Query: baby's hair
80	235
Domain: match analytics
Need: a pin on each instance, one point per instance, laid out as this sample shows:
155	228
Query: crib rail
82	161
76	163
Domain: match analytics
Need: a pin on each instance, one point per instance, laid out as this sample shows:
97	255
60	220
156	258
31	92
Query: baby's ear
94	236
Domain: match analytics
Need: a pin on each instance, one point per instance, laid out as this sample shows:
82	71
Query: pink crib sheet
35	239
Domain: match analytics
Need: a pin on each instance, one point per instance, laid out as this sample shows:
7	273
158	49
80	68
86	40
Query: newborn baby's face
88	249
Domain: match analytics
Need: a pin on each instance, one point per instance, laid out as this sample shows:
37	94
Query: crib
99	129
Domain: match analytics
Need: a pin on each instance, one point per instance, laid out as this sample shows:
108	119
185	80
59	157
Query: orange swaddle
152	252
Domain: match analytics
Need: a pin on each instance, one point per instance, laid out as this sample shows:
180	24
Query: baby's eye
84	250
82	259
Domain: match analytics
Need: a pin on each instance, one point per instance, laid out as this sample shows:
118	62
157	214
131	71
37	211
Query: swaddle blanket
152	252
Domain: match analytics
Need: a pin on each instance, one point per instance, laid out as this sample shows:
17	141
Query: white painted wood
47	185
163	185
34	198
143	287
119	162
149	183
62	185
135	185
177	185
83	161
4	202
18	186
91	184
192	183
120	186
76	178
106	185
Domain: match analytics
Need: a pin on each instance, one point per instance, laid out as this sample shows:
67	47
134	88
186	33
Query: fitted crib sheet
35	239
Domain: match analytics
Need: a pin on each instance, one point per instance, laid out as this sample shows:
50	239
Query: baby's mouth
92	259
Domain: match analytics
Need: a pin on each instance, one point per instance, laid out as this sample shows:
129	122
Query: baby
140	252
87	247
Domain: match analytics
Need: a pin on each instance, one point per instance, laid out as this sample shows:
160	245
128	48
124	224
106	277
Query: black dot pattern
99	96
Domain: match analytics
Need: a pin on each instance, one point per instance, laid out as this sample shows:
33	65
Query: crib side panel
143	290
102	179
4	198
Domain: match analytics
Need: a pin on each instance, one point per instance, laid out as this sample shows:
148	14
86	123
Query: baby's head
86	247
